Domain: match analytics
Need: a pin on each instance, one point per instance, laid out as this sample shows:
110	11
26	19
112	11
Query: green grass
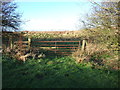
55	72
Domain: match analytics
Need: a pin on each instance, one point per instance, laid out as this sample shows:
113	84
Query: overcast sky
47	16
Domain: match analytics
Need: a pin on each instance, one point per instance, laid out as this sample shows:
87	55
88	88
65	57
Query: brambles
23	54
90	49
99	56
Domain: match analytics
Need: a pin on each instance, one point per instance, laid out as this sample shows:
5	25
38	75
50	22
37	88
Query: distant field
53	35
56	32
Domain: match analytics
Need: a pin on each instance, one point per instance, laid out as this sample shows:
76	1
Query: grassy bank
55	72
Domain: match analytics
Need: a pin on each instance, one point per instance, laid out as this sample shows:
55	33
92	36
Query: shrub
91	49
98	55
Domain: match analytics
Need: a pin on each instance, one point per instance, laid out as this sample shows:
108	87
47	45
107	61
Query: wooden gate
59	47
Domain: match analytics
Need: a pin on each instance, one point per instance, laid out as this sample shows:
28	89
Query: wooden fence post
83	45
55	47
11	43
79	45
20	41
29	42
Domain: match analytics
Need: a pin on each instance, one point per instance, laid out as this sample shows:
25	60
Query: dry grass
91	49
112	63
99	55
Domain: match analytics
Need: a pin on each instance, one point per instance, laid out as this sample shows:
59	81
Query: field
53	35
59	71
55	72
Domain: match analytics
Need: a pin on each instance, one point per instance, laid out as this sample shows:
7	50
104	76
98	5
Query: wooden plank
63	52
67	47
54	45
21	41
60	50
25	46
55	41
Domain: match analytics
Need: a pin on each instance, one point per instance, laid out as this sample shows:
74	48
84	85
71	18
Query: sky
52	16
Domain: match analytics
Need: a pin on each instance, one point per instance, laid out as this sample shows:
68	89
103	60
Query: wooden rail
22	42
54	45
55	41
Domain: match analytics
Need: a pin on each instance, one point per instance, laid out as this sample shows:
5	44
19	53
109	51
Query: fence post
79	45
11	43
29	42
55	46
83	45
20	41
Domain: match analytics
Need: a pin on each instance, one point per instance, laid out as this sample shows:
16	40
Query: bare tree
104	15
103	23
9	17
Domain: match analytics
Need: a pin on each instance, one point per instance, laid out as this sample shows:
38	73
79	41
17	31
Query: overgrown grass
55	72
